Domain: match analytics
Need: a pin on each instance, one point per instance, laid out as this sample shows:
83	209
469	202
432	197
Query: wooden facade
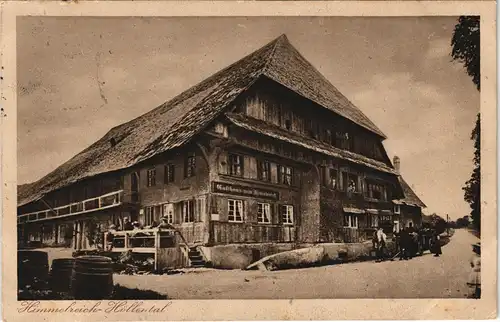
274	167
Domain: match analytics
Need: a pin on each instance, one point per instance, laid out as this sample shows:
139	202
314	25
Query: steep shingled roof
175	122
411	198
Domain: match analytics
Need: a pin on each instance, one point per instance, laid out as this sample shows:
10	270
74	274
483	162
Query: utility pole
448	224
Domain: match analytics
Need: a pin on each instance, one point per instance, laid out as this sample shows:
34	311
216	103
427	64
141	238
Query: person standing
437	246
127	225
404	237
474	282
109	237
381	243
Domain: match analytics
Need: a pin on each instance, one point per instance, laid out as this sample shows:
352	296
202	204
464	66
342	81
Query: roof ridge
271	55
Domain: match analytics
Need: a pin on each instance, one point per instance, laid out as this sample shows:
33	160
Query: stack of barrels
83	278
32	269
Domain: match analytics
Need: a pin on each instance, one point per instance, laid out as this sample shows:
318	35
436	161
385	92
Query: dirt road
421	277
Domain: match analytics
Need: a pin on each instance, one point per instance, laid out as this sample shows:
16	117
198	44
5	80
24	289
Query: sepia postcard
248	160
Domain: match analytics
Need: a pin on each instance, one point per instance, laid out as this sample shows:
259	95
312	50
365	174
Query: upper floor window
287	214
190	166
235	165
327	136
332	180
235	210
375	191
285	175
397	209
264	170
169	173
187	211
351	183
151	177
264	213
343	140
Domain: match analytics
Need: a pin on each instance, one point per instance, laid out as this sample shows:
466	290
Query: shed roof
175	122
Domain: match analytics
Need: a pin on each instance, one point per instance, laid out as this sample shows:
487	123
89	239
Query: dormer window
112	141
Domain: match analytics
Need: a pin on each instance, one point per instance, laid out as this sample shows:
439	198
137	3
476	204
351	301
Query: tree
472	188
437	223
466	49
465	46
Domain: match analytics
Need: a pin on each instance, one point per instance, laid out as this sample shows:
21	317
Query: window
264	170
263	213
397	209
151	176
352	183
168	212
148	216
187	211
235	165
288	125
376	191
235	210
327	137
332	182
287	214
342	140
190	166
373	221
169	173
350	221
285	175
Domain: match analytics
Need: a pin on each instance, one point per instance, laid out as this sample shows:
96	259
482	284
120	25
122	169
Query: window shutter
213	205
275	218
259	169
223	163
341	180
178	213
252	209
360	183
296	177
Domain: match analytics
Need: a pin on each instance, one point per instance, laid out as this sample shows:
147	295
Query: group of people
408	243
127	225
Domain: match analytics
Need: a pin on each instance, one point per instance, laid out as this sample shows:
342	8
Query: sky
80	76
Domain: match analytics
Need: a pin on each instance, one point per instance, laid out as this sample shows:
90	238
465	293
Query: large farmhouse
264	151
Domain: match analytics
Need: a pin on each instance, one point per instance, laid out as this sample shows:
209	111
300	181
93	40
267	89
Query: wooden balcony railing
142	240
109	200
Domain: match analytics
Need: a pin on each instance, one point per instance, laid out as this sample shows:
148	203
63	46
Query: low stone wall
239	256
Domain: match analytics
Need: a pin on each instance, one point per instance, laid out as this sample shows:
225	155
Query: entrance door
396	226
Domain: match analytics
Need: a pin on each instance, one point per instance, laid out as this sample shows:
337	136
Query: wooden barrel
60	274
92	278
32	268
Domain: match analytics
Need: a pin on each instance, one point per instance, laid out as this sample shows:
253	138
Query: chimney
397	163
